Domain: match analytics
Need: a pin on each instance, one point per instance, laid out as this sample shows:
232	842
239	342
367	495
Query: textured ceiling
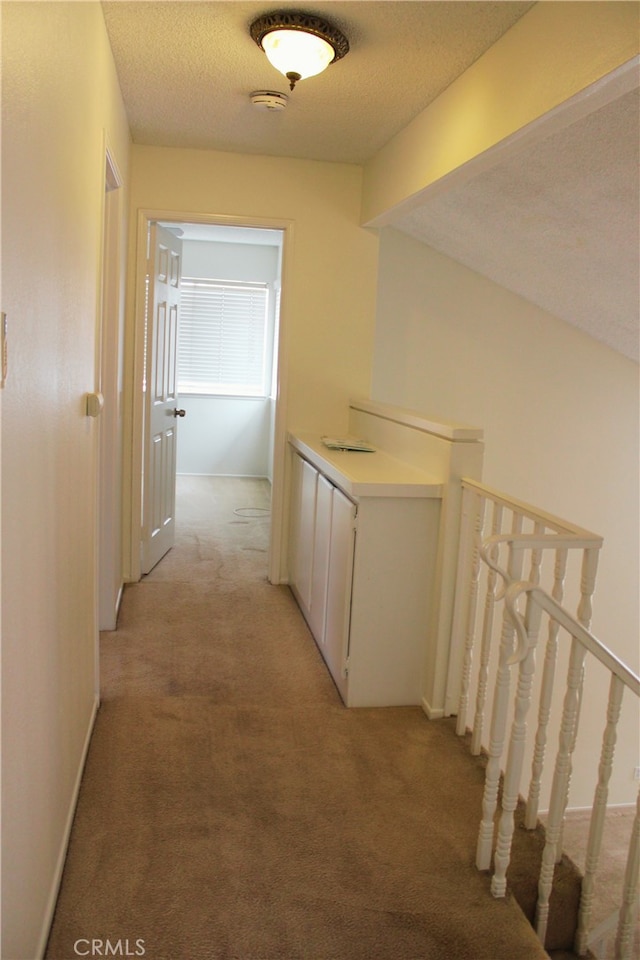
557	223
186	71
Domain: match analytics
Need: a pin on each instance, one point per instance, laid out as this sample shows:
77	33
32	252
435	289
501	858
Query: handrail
476	497
583	642
537	541
528	541
528	510
572	626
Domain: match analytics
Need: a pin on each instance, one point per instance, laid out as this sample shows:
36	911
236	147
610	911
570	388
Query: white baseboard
432	712
62	855
232	476
611	807
119	601
110	624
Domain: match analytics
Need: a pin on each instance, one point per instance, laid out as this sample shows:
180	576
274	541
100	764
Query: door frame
134	444
108	373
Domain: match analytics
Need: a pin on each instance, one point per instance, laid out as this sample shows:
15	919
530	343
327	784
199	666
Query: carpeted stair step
524	871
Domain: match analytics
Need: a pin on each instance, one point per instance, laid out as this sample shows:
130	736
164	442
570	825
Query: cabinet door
305	478
340	574
294	521
320	565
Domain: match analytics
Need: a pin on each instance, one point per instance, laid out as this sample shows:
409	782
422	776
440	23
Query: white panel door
159	479
340	576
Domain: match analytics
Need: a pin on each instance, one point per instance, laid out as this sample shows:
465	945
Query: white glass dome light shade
298	44
297	53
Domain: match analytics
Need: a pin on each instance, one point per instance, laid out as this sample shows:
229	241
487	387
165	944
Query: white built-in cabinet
363	544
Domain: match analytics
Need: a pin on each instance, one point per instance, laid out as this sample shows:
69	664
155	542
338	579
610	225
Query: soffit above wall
557	224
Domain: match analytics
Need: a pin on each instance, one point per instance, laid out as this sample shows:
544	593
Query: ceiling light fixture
297	44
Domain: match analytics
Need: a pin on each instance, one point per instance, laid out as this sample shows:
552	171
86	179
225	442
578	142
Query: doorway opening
233	421
227	361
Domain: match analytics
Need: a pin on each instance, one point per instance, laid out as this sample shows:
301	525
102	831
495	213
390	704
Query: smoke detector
269	100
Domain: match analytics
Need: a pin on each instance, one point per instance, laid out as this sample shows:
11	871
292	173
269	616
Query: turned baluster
498	720
585	611
546	694
515	756
487	634
598	813
536	555
560	786
587	586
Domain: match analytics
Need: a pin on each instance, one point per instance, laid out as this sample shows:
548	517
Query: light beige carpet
231	807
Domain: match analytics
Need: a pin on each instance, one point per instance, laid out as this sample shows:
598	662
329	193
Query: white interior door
159	476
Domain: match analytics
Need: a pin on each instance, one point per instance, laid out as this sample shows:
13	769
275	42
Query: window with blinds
222	340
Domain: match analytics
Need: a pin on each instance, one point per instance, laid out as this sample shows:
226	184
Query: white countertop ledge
361	474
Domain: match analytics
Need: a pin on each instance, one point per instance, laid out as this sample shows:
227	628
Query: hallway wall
224	436
60	95
328	297
560	416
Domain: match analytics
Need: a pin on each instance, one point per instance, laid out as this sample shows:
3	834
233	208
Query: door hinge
345	669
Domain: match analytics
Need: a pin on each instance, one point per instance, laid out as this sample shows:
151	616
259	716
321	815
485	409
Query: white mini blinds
222	338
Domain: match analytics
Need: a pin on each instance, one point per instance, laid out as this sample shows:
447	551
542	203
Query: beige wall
559	411
328	299
329	268
59	96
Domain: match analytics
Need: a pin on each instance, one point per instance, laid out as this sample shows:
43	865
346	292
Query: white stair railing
492	523
518	545
558	561
582	644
